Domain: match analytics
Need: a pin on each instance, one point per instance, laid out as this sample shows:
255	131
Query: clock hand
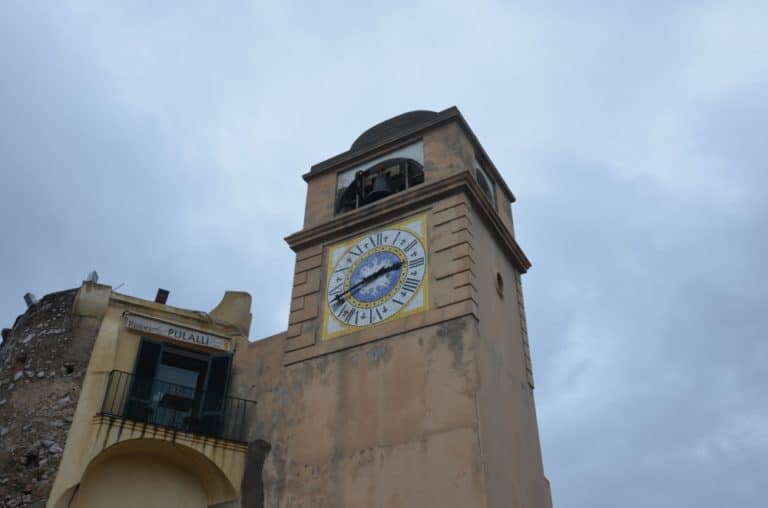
378	273
373	276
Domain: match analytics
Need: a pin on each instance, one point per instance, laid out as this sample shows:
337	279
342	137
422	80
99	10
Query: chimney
30	299
162	295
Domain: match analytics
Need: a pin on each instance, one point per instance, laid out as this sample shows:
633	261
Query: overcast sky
162	144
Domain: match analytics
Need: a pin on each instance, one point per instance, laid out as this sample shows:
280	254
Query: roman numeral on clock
352	314
415	263
410	284
410	245
379	317
335	290
377	240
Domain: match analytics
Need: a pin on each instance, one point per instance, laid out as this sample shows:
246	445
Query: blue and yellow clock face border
376	277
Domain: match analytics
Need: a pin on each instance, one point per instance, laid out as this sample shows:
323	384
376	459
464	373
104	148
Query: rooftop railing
178	407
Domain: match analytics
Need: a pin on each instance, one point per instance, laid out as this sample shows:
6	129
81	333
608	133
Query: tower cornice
412	200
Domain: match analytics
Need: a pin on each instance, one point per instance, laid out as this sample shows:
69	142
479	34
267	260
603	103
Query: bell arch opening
380	181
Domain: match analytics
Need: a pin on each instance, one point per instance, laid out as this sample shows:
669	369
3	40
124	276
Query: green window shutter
216	387
138	405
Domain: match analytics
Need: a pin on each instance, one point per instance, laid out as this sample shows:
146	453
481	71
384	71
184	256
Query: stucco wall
392	423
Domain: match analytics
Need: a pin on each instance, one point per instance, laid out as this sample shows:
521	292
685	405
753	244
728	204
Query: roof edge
449	114
351	154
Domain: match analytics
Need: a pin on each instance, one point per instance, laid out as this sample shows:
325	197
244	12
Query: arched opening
152	474
132	480
382	180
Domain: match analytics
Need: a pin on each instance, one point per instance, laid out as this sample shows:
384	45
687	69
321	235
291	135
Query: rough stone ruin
43	358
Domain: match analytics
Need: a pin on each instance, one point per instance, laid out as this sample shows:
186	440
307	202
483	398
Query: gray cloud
163	146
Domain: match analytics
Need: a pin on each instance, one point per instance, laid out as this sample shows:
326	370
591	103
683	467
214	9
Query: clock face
376	277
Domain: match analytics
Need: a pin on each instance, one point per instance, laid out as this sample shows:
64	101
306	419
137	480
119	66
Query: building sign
176	332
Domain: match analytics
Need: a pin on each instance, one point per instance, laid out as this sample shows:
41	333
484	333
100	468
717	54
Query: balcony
177	407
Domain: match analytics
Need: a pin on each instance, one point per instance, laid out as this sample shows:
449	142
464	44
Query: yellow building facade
149	428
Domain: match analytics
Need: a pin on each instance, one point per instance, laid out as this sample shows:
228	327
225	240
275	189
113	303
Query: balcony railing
177	407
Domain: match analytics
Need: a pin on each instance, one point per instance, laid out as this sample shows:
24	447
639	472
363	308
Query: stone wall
42	361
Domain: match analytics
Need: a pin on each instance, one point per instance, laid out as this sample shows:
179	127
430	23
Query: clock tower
404	378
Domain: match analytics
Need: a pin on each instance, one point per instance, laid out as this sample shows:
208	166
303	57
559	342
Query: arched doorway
132	480
150	473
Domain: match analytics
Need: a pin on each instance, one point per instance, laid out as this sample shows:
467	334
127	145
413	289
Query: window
179	388
485	182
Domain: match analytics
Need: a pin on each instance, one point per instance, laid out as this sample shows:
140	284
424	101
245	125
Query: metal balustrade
175	406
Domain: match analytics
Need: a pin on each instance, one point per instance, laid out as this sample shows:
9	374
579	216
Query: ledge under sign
176	332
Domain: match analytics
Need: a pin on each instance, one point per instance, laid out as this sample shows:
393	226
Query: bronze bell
382	187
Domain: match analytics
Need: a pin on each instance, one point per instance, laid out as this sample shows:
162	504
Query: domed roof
393	126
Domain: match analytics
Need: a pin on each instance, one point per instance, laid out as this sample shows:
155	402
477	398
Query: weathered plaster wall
391	423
